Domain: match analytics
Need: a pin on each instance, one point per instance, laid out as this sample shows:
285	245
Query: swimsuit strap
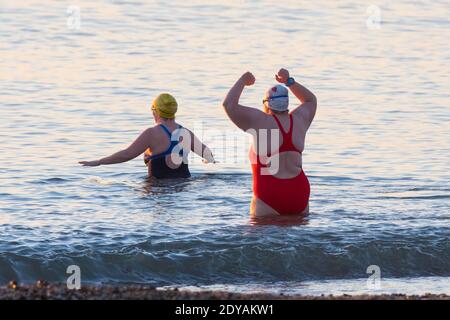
172	145
288	144
291	125
166	130
280	126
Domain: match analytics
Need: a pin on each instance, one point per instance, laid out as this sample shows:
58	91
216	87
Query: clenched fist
248	78
282	76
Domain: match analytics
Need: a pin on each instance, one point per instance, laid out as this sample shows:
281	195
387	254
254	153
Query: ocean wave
193	260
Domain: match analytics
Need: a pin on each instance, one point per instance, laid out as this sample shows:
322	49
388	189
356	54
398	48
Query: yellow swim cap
165	106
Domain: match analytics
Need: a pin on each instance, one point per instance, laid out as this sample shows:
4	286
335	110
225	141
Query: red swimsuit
286	196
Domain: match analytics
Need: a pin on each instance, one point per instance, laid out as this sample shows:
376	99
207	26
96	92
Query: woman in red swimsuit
280	186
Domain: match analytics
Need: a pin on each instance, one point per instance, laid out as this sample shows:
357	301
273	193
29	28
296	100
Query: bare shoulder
262	120
264	117
305	113
301	118
247	117
150	132
150	136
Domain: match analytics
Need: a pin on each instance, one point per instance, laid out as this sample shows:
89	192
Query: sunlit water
377	154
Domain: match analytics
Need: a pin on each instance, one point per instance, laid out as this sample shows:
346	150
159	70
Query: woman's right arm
135	149
241	116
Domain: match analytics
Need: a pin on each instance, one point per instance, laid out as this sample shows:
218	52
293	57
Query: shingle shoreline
46	291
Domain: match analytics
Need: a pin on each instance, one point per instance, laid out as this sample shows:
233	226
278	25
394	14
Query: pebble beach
52	291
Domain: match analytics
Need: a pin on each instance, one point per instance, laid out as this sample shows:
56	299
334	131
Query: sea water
76	83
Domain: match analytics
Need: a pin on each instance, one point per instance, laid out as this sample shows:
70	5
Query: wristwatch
290	81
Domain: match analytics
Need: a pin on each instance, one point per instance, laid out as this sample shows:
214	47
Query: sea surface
76	83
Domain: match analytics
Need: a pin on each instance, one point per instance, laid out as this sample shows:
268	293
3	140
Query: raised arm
135	149
308	107
241	116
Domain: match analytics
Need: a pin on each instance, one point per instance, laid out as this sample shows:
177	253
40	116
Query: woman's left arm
135	149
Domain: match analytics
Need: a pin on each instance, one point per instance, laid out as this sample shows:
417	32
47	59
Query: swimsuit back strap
169	149
291	126
288	143
166	130
281	127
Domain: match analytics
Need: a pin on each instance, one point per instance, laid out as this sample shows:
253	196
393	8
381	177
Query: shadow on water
195	185
152	186
280	221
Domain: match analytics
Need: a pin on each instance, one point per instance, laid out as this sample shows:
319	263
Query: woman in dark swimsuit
166	145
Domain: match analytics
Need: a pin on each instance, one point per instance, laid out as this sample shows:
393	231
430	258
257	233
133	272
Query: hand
208	157
206	161
248	78
95	163
282	76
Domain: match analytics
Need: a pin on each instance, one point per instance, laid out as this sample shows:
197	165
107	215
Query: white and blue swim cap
277	98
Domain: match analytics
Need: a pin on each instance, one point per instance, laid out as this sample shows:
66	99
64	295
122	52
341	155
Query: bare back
290	162
159	141
284	189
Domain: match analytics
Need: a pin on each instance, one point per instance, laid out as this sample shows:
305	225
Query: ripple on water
378	174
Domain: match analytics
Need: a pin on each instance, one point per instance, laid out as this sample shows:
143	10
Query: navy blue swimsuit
158	164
